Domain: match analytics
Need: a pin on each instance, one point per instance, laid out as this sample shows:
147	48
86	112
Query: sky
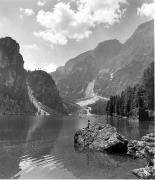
50	32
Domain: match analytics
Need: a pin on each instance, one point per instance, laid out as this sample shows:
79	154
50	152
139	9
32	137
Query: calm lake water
43	147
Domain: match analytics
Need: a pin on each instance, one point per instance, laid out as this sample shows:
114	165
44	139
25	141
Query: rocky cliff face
139	47
45	90
13	91
16	84
74	78
111	66
128	66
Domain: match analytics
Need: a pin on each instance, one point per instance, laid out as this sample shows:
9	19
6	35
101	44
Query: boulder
100	137
150	138
143	148
145	173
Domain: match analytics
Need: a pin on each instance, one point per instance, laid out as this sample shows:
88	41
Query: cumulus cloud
64	22
147	9
27	12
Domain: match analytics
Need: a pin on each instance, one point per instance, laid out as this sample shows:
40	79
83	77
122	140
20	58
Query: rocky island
100	137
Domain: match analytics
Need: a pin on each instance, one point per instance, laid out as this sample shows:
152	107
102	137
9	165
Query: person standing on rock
88	126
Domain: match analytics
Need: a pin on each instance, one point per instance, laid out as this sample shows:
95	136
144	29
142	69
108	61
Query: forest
137	100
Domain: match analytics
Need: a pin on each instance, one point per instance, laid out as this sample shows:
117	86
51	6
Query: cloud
31	67
64	22
41	3
29	47
27	12
147	9
50	68
27	50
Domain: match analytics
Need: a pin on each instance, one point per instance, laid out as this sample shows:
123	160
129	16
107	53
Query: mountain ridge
107	63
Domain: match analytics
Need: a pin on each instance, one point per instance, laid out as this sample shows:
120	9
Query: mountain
13	90
128	66
138	47
44	92
75	77
137	100
23	92
109	68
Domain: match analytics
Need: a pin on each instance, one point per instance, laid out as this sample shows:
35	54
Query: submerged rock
143	148
100	137
145	173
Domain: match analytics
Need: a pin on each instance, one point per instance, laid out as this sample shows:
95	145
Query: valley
91	118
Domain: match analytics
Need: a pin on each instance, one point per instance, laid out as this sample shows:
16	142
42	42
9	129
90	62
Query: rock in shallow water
100	137
143	148
145	173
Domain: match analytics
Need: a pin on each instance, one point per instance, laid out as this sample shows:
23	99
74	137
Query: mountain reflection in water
43	147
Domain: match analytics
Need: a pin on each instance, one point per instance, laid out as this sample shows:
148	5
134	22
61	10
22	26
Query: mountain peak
10	49
9	45
146	24
111	41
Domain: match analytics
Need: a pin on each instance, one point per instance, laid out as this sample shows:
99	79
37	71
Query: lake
43	147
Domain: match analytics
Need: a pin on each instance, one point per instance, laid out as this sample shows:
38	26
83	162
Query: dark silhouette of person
88	126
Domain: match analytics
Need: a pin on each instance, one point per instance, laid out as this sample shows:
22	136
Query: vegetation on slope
13	90
137	99
45	90
99	107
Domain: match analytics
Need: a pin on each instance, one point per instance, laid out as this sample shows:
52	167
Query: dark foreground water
42	147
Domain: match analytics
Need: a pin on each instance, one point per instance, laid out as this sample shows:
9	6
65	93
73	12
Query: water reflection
43	147
25	138
131	128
